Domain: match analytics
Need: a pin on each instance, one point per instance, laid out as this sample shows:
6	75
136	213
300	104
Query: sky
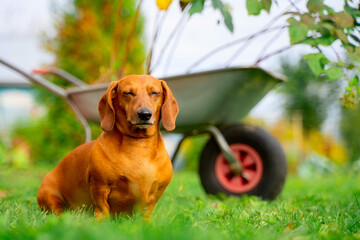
23	22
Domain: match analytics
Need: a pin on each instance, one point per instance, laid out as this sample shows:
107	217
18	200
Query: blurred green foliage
312	97
91	40
350	131
50	138
92	37
191	150
3	151
320	27
307	95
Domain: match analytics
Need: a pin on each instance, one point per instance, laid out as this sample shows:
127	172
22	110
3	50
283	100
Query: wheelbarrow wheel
260	155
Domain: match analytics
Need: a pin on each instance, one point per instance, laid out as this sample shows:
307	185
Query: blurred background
318	134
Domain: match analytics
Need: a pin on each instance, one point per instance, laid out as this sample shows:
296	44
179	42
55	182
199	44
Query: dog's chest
137	182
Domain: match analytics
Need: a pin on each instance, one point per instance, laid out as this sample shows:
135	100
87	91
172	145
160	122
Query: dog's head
135	104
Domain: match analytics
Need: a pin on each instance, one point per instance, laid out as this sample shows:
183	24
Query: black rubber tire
269	149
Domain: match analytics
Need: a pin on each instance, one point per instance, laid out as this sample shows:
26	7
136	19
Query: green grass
318	208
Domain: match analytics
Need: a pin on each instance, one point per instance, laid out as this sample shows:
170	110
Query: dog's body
127	165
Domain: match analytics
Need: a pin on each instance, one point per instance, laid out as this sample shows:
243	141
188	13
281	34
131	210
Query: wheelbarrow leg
235	166
81	118
225	149
173	158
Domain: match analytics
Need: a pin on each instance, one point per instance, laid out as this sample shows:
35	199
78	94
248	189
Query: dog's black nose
144	114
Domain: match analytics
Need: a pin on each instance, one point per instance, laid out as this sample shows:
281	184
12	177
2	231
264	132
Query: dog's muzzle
143	115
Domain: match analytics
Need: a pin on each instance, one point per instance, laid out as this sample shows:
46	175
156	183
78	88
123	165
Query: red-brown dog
127	165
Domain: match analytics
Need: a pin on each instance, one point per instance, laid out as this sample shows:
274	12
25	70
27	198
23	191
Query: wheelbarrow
238	159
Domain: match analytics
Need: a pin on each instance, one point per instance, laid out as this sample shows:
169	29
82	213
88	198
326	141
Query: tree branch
173	48
272	54
227	45
268	44
242	48
157	31
237	53
294	6
266	28
171	36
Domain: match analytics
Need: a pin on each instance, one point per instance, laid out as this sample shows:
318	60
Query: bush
350	131
2	152
50	138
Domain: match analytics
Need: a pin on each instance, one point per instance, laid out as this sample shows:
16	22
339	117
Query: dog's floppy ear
106	108
169	109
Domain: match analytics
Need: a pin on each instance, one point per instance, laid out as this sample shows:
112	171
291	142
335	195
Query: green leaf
307	19
254	7
354	54
328	9
196	7
217	4
324	61
341	35
309	41
315	64
350	66
334	73
297	31
355	81
267	5
325	41
314	5
228	20
330	29
343	19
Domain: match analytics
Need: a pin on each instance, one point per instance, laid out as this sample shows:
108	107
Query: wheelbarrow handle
57	91
60	73
40	81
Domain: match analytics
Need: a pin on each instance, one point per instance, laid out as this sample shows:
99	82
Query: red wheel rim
252	172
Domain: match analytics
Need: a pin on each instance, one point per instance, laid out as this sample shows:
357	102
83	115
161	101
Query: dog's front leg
99	195
147	211
150	205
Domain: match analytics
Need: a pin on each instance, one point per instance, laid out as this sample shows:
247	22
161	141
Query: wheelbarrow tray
218	97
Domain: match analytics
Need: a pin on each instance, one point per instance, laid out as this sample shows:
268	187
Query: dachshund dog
127	167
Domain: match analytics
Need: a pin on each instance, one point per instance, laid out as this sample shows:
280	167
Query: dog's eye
154	93
129	93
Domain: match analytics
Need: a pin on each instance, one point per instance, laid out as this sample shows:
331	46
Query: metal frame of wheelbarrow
57	90
214	131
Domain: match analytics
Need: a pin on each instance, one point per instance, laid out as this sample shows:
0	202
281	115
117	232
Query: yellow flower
163	4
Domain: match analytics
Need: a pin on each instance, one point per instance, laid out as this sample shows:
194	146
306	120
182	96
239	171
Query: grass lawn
319	208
